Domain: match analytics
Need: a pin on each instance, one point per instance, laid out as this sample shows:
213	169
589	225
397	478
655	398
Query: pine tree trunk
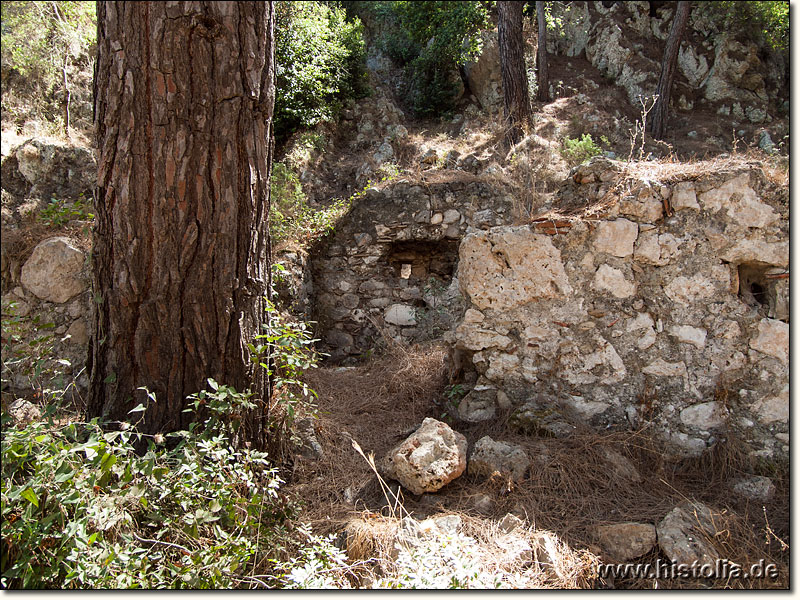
542	79
658	124
184	95
516	99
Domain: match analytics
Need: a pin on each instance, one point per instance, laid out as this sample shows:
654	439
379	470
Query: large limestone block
506	267
483	74
53	270
429	458
489	456
753	250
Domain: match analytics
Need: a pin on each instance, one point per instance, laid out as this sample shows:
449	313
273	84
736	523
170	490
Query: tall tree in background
516	100
658	124
184	96
542	79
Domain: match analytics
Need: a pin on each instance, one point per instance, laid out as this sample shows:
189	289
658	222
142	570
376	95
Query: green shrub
319	57
58	212
82	509
766	21
578	150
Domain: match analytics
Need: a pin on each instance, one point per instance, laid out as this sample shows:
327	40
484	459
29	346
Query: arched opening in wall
765	288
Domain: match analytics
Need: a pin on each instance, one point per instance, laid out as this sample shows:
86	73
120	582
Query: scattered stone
683	531
509	523
24	412
534	419
489	456
309	444
621	466
755	487
428	459
625	541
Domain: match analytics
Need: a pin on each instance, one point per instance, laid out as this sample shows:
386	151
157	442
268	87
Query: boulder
430	458
683	531
625	541
755	487
489	456
53	271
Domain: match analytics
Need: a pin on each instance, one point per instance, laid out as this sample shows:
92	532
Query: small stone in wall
616	237
489	456
684	196
78	333
661	368
401	314
611	280
772	339
479	404
705	416
773	408
687	290
534	418
686	334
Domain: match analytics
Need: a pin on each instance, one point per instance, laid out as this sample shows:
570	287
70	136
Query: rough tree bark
184	95
516	99
542	79
659	122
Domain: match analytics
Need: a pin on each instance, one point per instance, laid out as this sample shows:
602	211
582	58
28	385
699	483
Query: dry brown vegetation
569	489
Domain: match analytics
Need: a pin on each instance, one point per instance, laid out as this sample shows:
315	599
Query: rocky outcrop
428	459
624	40
484	78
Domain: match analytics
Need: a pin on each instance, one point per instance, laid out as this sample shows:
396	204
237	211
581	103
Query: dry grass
570	489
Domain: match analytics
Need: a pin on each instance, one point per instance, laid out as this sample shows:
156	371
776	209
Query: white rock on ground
53	270
489	456
23	412
682	534
429	458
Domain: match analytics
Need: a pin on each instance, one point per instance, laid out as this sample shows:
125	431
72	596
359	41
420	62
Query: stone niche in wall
388	269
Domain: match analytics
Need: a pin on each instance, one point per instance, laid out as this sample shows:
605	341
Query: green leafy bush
579	150
59	212
82	508
767	20
319	57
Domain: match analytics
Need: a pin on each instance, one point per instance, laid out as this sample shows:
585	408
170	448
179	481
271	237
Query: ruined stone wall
390	264
669	311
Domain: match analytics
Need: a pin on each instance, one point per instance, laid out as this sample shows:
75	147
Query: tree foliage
319	57
768	20
431	39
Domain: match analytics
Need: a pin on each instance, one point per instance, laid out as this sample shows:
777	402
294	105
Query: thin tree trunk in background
542	79
658	124
516	99
184	95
